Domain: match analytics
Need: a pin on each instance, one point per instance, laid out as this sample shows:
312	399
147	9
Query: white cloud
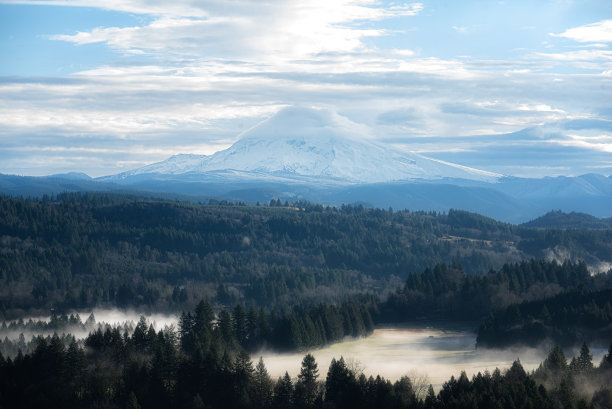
461	30
581	55
599	142
119	122
339	9
276	29
539	108
176	8
404	52
585	144
166	34
199	106
336	10
595	32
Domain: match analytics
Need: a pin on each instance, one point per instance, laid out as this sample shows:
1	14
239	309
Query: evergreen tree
204	316
306	388
239	324
132	402
253	336
430	399
283	393
606	361
263	326
555	362
404	391
603	398
584	362
261	388
242	376
139	338
339	384
76	367
566	394
224	326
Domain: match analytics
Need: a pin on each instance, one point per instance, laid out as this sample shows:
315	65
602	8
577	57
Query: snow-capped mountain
312	143
319	156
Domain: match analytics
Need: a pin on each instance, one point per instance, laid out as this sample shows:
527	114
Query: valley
217	261
436	353
344	204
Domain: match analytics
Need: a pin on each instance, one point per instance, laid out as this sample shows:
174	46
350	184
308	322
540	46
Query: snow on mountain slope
174	165
315	143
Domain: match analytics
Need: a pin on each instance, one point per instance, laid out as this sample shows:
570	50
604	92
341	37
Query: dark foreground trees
203	366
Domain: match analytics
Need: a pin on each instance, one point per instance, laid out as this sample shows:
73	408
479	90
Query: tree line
567	319
203	365
522	303
250	329
446	291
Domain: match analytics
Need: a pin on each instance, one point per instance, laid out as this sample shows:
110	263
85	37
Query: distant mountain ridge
321	157
573	220
513	200
71	175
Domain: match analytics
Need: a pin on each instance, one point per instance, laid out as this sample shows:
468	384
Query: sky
103	86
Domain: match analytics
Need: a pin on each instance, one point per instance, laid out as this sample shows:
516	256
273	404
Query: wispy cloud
580	55
273	29
595	32
460	29
343	9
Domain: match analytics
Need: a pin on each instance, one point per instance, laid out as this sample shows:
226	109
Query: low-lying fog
112	317
395	352
392	353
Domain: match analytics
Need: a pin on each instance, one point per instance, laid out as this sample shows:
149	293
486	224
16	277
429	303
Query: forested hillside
447	292
568	319
81	251
573	220
525	303
286	277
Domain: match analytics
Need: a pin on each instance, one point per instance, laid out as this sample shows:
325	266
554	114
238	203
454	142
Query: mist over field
103	317
429	354
117	316
436	353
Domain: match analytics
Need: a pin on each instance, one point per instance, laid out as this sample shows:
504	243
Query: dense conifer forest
287	276
204	365
568	318
87	250
523	303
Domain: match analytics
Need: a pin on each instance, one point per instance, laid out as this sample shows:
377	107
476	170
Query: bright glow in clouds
189	76
276	29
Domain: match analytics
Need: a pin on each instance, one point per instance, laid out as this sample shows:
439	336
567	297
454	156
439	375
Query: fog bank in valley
395	352
103	317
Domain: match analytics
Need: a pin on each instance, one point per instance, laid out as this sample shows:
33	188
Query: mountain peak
71	176
317	144
300	118
299	125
